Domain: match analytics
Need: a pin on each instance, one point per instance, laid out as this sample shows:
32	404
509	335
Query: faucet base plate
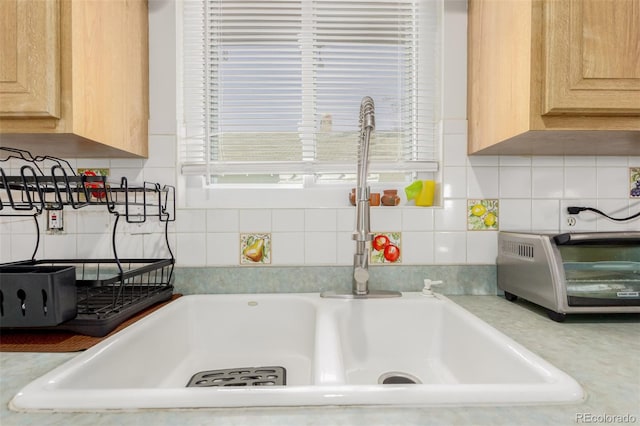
372	294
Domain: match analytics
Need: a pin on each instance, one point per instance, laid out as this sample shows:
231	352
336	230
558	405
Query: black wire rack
108	291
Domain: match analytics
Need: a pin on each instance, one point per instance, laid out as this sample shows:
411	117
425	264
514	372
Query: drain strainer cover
249	376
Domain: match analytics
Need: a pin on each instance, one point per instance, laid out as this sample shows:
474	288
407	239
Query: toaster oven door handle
598	238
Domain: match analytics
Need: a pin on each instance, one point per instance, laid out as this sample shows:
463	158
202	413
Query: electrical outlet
54	221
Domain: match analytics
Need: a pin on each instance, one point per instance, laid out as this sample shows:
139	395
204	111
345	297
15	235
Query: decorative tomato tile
255	249
634	182
102	171
482	215
99	194
386	248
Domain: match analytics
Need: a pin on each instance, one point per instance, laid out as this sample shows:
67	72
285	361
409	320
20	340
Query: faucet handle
361	275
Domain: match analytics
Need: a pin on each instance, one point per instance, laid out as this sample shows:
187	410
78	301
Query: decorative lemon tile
255	249
386	248
482	215
634	182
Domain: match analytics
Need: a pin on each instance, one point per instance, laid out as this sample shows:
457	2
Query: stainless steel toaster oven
569	273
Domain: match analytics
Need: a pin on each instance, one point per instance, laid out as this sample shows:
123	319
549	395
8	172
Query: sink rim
45	393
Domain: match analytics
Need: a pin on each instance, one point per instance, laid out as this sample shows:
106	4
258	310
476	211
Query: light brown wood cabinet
74	78
554	77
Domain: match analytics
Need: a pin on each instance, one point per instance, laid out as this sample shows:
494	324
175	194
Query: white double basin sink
412	350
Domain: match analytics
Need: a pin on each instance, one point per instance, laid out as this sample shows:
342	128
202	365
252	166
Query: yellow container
425	197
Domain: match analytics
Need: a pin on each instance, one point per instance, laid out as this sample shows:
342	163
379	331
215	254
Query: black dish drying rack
107	291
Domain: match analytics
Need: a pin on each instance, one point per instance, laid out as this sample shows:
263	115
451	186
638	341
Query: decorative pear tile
255	249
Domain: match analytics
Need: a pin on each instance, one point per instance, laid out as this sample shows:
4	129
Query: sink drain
398	378
250	376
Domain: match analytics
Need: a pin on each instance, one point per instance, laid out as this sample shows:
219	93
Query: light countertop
602	352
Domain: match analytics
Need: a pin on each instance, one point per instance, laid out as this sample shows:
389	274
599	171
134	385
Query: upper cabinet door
30	52
592	51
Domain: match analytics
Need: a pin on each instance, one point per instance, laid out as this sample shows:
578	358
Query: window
271	90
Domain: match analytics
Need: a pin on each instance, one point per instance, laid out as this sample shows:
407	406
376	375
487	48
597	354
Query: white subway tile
515	215
547	160
450	248
287	248
26	224
346	219
612	182
483	160
96	246
5	249
483	182
22	247
482	247
386	219
417	219
161	175
59	246
93	221
320	220
580	182
191	249
191	220
612	161
345	248
515	182
134	176
155	245
515	161
452	217
547	182
418	248
162	151
288	220
255	220
223	249
455	127
455	182
545	215
455	149
223	220
320	248
579	161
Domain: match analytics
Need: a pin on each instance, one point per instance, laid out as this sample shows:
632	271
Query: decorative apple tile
386	248
634	182
482	215
255	249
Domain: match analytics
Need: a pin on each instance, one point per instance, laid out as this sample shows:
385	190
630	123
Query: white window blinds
274	87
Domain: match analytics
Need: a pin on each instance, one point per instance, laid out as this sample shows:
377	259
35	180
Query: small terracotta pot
390	197
374	199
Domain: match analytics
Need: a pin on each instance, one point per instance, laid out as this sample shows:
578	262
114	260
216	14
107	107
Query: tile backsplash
532	193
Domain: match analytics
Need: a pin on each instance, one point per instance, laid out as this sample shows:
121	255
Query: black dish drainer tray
108	291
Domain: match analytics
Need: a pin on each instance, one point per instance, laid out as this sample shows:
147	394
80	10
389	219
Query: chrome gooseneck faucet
362	234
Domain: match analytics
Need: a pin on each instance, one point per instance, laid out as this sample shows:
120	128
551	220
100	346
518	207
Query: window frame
195	191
